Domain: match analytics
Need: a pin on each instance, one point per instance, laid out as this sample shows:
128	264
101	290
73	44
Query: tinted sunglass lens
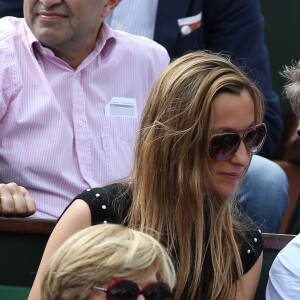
254	138
157	292
223	146
123	290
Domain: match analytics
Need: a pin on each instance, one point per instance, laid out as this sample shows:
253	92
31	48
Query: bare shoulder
249	281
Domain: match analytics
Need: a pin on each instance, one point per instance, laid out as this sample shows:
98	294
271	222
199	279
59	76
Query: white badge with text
121	107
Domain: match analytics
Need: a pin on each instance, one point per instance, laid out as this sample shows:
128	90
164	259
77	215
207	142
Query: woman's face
99	295
231	113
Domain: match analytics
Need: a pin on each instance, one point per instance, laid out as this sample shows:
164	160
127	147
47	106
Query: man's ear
109	7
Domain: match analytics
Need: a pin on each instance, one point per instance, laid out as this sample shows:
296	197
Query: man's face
60	24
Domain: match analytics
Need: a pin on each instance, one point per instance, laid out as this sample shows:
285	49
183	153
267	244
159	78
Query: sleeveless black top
110	204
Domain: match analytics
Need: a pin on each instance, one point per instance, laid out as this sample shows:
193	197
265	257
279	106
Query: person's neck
74	53
73	56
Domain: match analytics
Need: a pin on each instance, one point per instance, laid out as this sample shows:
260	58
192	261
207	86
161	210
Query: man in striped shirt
72	91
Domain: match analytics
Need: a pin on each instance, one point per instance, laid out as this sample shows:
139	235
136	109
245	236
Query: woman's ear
109	7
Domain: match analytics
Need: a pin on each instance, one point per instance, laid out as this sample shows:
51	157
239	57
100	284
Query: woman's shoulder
251	248
107	192
108	204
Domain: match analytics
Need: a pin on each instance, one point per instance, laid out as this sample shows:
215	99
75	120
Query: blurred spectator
111	259
284	275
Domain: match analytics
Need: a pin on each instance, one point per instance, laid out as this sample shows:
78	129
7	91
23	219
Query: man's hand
15	201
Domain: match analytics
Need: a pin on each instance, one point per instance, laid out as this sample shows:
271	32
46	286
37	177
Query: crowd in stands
159	116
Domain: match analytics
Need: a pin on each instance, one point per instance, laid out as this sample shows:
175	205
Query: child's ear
109	7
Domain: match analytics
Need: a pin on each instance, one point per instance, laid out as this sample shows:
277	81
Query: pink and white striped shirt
64	130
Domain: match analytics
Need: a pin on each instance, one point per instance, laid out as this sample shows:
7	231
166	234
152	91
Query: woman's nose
241	156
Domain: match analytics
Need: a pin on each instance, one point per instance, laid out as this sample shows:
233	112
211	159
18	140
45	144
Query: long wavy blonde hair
172	184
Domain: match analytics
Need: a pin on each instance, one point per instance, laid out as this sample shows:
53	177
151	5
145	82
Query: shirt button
80	123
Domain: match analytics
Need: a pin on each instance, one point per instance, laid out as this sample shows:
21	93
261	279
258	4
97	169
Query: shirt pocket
119	139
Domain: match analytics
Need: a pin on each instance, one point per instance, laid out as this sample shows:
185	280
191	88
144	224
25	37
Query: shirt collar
30	36
106	37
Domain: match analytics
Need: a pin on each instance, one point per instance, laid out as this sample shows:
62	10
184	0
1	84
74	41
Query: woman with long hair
200	128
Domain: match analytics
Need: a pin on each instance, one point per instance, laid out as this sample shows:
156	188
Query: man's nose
49	3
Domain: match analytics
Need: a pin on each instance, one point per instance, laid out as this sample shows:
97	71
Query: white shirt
284	276
129	13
